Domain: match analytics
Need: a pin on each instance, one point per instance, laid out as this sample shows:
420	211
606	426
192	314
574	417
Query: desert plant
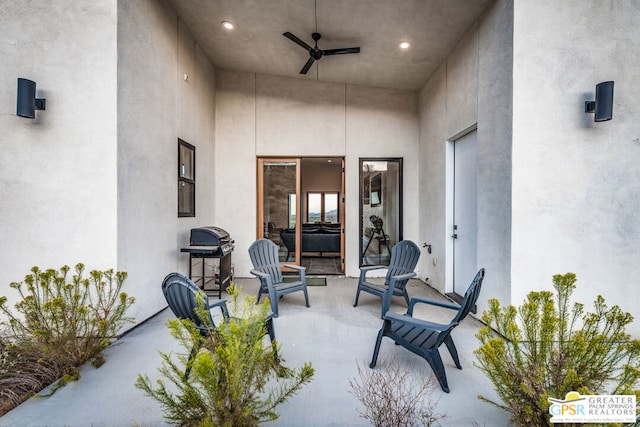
229	374
394	396
22	373
547	348
59	325
72	321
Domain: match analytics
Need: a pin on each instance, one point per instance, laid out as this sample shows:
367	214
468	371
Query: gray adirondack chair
266	267
404	257
182	295
424	338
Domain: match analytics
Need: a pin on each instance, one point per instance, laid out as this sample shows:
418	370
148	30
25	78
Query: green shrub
547	348
59	325
229	374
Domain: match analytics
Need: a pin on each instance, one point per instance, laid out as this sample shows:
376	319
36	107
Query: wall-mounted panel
462	84
432	181
299	117
235	161
380	123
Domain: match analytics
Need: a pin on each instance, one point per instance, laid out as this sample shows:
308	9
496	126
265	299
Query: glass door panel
380	209
292	211
341	213
278	209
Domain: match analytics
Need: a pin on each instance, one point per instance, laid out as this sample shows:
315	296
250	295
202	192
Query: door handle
455	235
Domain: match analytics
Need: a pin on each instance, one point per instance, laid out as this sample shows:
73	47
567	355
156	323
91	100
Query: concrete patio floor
333	335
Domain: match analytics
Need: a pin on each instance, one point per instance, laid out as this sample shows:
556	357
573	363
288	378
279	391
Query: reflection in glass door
380	209
278	219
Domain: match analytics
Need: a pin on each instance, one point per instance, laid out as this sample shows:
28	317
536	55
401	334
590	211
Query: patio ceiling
256	44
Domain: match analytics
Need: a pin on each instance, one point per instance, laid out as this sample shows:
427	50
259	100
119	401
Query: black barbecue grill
211	247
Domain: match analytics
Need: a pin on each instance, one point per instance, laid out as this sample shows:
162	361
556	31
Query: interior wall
166	91
323	176
258	115
575	198
470	90
58	192
316	177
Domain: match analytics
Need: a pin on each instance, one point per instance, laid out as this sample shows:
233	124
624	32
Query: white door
465	211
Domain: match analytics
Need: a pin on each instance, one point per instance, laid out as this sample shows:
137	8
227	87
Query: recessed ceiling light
227	25
404	45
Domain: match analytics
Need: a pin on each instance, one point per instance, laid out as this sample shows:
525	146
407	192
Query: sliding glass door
301	208
278	206
380	209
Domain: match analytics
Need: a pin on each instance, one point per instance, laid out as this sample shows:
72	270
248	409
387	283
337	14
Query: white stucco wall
93	178
58	192
433	175
471	89
259	115
156	106
381	123
495	118
575	182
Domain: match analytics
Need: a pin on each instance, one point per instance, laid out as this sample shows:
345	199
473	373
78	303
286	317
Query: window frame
323	195
183	181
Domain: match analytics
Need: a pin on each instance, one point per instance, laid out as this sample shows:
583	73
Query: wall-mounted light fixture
603	105
27	102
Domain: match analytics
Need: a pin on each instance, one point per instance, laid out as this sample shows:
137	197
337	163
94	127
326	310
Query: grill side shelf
204	250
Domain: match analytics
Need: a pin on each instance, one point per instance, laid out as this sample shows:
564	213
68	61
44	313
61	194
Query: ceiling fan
316	53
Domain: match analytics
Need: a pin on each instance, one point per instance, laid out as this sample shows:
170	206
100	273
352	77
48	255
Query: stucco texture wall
166	91
471	90
58	171
258	115
575	182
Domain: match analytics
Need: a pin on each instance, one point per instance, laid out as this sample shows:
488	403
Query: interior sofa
318	238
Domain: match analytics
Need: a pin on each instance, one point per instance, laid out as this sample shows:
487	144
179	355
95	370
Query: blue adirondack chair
424	338
183	295
404	257
266	267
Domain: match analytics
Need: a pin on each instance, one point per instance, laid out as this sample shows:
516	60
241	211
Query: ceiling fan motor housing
315	53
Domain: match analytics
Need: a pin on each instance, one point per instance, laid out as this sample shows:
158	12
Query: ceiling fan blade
341	51
296	40
307	66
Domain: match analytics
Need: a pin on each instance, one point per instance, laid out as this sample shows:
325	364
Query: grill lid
209	236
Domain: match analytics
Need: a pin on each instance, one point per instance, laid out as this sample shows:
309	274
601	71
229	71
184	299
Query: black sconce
27	101
603	105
